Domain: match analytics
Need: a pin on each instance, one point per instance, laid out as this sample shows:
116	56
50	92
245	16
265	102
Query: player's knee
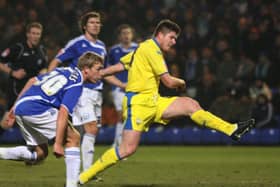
196	105
73	139
76	138
91	128
192	105
41	156
42	152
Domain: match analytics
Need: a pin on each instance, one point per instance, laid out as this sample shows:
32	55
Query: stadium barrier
11	136
173	136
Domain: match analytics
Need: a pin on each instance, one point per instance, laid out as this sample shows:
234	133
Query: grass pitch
163	166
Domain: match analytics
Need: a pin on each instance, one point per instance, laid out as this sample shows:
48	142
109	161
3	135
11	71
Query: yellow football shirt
144	68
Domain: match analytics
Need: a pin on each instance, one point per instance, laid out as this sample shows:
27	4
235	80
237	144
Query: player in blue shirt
42	113
125	36
88	110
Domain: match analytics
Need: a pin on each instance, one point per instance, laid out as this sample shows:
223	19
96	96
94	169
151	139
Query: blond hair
34	25
88	59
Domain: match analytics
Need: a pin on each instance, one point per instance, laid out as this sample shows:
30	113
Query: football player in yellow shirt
143	105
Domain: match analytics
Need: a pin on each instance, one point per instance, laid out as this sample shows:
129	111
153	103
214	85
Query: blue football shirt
62	86
76	48
114	56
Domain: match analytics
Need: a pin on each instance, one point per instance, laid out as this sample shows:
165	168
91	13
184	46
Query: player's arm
173	82
53	64
115	81
68	103
60	131
112	69
9	118
29	83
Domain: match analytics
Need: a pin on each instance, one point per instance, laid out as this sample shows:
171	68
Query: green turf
167	166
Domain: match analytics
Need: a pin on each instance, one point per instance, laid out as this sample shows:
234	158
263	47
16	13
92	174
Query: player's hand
123	86
11	118
58	150
182	86
8	120
102	73
19	74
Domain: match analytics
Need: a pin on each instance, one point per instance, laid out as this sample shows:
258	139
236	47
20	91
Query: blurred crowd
228	51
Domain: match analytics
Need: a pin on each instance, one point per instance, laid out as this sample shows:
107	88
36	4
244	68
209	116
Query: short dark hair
166	26
34	25
84	19
124	26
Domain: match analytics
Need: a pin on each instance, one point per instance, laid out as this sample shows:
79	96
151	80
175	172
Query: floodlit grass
167	166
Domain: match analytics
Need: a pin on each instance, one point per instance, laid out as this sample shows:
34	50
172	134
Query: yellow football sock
208	119
109	158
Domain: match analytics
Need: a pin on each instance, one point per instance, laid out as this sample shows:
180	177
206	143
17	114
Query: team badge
139	121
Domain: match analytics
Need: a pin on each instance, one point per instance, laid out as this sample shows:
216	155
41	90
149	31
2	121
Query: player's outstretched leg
185	106
235	130
242	128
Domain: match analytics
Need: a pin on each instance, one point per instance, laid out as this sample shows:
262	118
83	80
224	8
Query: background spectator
262	111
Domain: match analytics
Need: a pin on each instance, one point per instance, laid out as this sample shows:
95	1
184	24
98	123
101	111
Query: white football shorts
88	108
118	96
38	129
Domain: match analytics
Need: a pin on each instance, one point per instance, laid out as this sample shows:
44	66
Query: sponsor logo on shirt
52	111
